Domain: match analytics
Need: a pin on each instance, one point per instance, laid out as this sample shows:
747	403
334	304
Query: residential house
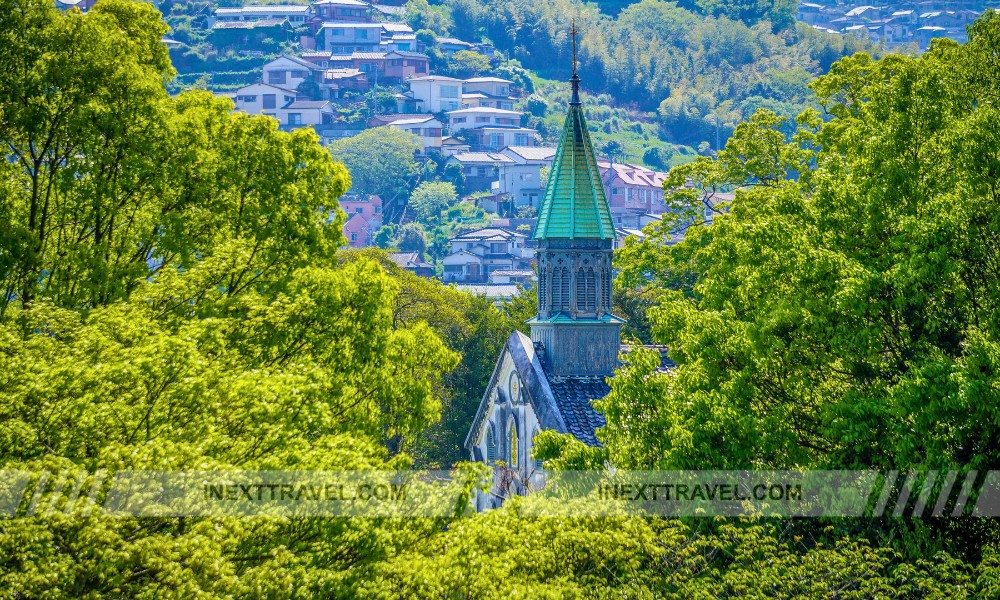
82	5
522	179
302	113
290	72
425	127
282	104
297	15
364	218
263	99
343	11
412	262
435	93
492	291
491	86
451	146
339	81
249	36
476	254
479	99
348	38
474	118
389	66
490	129
632	191
488	92
525	278
495	138
449	46
481	169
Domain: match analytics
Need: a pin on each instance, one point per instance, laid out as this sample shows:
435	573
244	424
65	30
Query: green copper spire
574	205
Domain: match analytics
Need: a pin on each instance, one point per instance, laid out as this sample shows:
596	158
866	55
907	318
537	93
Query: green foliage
466	63
381	161
702	72
420	15
412	238
836	319
430	198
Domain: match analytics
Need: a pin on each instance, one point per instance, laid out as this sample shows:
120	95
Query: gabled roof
481	158
294	59
499	112
543	153
487	80
574	205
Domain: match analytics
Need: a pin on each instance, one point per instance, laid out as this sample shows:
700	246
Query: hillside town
349	49
896	24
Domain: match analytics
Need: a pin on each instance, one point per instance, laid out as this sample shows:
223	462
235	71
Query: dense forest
174	297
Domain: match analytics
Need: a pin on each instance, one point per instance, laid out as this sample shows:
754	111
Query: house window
616	191
270	101
482	119
497	248
294	118
247	98
361	34
513	444
358	210
496	140
276	77
458	120
449	91
354	237
521	139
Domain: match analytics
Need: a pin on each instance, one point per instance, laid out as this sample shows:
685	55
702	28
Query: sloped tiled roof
573	396
574	205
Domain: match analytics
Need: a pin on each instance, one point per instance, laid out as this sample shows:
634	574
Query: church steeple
575	234
574	205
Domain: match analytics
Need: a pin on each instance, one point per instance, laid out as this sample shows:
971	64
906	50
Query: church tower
575	234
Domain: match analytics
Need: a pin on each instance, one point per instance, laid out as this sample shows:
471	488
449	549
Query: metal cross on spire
575	80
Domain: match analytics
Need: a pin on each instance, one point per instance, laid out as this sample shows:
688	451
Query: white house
435	93
294	14
263	98
476	254
490	86
347	38
291	71
474	118
496	138
425	127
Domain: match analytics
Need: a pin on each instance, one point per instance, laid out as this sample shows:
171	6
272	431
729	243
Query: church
547	381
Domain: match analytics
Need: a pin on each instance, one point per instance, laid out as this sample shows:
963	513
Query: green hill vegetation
174	296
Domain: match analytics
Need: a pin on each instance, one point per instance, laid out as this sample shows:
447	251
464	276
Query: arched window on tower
606	288
556	290
591	289
564	285
581	289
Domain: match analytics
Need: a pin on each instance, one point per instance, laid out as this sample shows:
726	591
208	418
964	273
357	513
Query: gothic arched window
513	444
564	285
491	444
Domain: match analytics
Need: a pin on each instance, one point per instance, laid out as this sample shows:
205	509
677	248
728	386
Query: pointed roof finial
575	80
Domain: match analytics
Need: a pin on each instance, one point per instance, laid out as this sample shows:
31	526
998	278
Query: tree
422	16
430	198
381	161
412	238
837	321
657	158
466	63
